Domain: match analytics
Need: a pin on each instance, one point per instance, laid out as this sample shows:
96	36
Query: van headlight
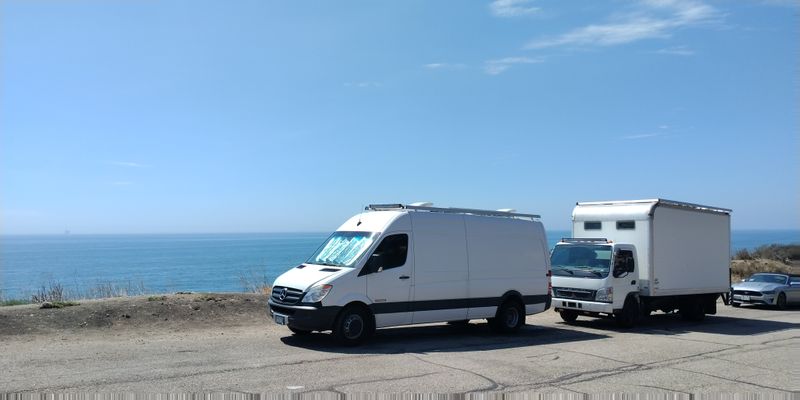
317	293
606	295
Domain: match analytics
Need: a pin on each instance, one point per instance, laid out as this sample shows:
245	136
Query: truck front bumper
593	307
310	318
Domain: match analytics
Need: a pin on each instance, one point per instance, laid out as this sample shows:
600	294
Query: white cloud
676	51
642	136
651	19
512	8
363	84
128	164
444	66
496	67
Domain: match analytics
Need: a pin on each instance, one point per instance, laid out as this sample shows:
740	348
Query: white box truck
627	259
409	264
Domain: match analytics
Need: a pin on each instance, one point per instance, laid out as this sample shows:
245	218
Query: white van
400	264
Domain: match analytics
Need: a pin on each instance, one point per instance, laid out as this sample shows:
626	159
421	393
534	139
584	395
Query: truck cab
592	276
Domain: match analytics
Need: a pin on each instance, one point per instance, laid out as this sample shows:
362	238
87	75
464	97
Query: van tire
353	326
629	315
509	318
299	332
569	316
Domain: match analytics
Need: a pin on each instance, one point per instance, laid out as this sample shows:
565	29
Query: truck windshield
585	261
342	249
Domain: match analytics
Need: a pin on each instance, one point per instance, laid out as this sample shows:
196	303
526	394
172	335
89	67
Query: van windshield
342	249
585	261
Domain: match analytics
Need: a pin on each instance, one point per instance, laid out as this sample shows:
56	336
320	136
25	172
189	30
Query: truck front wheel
629	315
569	316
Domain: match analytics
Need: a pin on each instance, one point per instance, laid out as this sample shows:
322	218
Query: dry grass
741	269
253	282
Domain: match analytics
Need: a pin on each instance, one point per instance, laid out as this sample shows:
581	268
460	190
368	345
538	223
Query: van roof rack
410	207
584	240
665	202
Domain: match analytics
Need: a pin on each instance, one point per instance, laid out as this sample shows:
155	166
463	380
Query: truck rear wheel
569	316
509	318
629	315
693	310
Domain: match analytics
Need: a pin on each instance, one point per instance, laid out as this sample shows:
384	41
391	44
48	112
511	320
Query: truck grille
570	293
285	295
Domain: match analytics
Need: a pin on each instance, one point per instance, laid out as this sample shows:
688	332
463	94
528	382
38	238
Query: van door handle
404	277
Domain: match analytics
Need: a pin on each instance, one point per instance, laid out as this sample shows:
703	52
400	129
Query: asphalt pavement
738	350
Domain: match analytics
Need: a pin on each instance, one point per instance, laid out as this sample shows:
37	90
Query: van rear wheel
509	318
353	326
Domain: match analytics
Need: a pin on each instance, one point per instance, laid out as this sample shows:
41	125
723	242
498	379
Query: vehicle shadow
442	338
671	324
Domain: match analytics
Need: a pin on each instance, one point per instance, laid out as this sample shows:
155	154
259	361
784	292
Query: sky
144	116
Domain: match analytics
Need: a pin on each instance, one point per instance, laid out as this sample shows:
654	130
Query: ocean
190	262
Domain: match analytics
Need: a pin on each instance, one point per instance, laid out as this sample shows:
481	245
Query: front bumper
306	317
594	307
766	299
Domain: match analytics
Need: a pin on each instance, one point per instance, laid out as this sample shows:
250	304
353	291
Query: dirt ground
162	313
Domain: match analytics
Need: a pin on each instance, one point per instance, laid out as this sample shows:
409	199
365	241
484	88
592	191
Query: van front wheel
509	318
353	326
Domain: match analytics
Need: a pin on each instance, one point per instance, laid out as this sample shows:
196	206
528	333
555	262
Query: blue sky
257	116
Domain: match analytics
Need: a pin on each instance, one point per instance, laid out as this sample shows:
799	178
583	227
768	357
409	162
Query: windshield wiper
563	269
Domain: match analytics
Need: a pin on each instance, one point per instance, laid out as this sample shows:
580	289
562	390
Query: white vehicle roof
633	209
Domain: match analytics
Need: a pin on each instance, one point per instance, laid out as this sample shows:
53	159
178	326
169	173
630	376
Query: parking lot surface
737	350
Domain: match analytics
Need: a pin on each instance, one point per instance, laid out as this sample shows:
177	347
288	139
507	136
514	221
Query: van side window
626	224
391	253
592	225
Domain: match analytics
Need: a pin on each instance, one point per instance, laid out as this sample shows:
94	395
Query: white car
779	290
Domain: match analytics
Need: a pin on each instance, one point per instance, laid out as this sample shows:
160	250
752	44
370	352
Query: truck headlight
606	295
317	293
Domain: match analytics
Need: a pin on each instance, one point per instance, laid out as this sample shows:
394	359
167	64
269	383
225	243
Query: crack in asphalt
333	388
729	380
493	384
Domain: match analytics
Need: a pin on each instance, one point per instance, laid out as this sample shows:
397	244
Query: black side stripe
430	305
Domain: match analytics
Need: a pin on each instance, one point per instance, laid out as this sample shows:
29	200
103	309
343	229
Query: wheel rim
512	317
353	326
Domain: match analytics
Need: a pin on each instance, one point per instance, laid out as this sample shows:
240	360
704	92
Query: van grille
290	296
570	293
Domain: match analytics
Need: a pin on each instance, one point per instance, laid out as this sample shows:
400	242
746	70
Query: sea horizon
200	262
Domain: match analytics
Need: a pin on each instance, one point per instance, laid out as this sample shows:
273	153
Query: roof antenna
359	215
